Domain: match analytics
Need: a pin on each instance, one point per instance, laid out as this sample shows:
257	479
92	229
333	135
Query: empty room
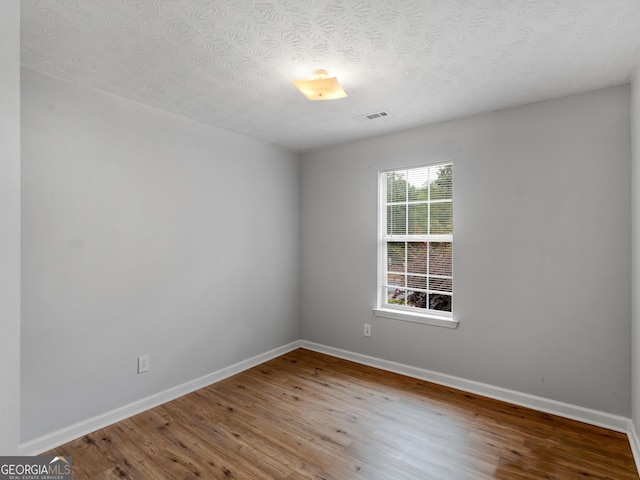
267	239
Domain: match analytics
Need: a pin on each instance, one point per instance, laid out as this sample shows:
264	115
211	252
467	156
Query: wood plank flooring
305	415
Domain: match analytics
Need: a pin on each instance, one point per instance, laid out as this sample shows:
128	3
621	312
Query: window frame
403	312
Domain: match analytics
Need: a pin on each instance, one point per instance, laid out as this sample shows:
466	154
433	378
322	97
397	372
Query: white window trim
425	319
405	314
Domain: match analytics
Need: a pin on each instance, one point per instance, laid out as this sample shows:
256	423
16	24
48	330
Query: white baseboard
586	415
635	445
72	432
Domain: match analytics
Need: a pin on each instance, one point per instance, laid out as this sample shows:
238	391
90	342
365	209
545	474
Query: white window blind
416	240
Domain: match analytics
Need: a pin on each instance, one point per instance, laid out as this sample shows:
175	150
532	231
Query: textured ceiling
230	63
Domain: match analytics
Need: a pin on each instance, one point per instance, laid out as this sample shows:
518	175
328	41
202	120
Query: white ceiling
230	63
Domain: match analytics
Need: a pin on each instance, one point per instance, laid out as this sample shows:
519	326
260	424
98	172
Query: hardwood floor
305	415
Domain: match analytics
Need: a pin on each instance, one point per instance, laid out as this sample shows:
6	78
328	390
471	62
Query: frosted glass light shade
320	87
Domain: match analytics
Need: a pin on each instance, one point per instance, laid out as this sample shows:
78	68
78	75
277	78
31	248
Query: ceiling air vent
373	116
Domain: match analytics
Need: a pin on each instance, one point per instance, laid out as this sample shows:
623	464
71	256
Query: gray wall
127	213
541	250
144	232
10	222
635	225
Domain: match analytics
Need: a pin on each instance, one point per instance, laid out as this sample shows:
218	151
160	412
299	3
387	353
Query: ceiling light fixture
320	87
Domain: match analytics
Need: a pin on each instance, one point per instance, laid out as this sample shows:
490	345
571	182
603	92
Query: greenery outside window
416	241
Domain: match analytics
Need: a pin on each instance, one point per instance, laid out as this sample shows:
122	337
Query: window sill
446	322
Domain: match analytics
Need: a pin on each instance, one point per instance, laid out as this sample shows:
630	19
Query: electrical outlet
144	363
367	330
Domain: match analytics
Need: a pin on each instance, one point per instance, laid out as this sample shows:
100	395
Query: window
416	244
